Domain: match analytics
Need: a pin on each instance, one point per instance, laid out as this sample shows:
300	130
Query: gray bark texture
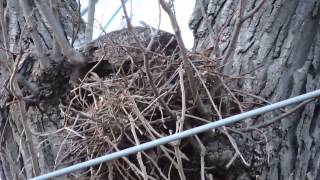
15	156
277	56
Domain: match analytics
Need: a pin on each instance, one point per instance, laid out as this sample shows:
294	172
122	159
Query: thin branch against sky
146	11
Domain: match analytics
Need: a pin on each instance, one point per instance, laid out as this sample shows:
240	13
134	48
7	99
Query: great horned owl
119	48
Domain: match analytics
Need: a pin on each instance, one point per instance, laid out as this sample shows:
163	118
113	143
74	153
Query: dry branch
146	63
187	67
31	22
73	56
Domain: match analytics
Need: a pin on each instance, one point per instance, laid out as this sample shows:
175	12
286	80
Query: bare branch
231	94
239	22
235	147
137	141
55	45
4	36
30	20
146	63
208	22
74	56
202	155
235	34
194	88
179	126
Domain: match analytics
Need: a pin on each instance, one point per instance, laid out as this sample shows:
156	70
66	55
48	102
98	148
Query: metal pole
184	134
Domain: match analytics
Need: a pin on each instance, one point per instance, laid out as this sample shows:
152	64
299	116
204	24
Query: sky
141	10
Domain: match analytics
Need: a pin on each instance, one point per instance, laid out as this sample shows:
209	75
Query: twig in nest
235	146
63	142
202	155
239	21
137	141
179	125
207	90
151	131
232	141
146	62
231	94
132	165
186	61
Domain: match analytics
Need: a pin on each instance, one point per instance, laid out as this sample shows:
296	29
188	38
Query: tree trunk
275	56
16	162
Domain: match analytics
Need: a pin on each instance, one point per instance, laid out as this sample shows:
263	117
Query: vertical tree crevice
280	41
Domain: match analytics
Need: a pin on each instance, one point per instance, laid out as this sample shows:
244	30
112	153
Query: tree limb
56	50
73	56
194	88
146	63
31	22
235	34
4	36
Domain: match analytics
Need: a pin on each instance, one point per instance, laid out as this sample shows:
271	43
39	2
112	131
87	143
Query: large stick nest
114	107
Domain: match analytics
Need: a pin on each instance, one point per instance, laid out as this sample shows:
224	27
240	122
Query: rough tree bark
16	162
278	47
